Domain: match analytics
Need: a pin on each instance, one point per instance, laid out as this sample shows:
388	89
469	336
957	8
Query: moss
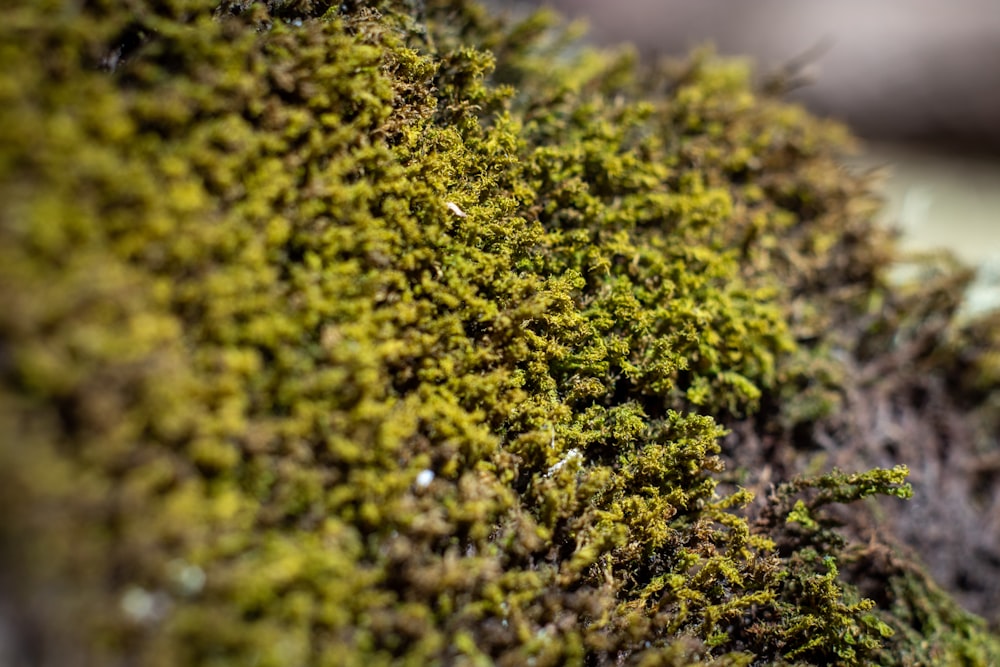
339	335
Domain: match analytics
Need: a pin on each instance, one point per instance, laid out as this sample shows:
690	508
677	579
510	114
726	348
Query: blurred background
918	79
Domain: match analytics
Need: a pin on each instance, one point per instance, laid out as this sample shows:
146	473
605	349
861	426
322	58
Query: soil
902	406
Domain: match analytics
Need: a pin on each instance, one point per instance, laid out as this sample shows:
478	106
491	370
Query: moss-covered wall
375	335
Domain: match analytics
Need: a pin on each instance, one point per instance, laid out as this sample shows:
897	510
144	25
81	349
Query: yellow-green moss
335	336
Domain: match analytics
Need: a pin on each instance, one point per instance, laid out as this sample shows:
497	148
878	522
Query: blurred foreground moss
396	334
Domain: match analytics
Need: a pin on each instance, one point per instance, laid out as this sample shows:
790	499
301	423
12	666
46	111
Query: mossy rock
399	334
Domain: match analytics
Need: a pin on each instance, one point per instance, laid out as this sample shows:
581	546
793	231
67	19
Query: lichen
396	334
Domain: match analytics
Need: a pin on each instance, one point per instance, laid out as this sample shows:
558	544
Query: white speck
571	454
424	478
453	207
297	23
552	440
189	579
139	604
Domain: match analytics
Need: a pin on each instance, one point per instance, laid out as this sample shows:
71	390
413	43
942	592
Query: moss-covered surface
360	336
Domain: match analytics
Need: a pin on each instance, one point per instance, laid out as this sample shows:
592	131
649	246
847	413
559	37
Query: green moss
335	336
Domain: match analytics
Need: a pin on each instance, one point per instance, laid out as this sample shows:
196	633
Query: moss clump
392	334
